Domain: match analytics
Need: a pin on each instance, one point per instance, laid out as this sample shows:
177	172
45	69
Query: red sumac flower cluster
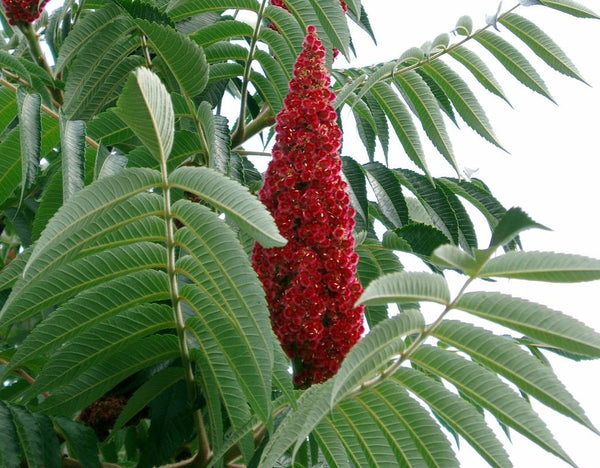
310	284
26	11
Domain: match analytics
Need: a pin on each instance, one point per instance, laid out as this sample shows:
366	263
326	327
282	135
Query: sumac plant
150	270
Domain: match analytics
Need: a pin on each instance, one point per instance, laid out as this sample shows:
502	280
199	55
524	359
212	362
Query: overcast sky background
551	172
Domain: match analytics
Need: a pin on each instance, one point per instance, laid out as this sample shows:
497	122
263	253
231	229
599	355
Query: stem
238	134
263	120
399	71
23	374
203	444
38	56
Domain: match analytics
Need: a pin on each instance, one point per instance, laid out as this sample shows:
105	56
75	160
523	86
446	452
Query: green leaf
514	221
184	58
330	445
428	111
354	421
534	320
182	9
393	429
8	106
406	287
357	189
50	202
464	26
94	24
81	440
460	415
374	261
231	198
487	390
85	273
313	406
505	357
401	120
72	136
435	201
90	307
542	44
543	266
451	256
10	164
108	162
147	392
430	441
374	352
570	7
97	76
332	19
479	69
513	61
28	435
96	381
227	299
83	351
145	105
87	204
462	98
50	445
388	193
30	132
11	62
10	451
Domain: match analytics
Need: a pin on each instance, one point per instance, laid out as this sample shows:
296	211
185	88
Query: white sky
551	172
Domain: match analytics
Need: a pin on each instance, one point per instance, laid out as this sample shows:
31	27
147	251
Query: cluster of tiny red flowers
281	4
26	11
310	284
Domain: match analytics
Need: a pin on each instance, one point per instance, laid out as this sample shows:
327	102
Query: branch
39	58
238	134
448	49
90	141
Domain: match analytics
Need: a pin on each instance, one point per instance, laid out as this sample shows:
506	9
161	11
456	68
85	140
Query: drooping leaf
514	221
505	357
81	440
388	193
479	69
30	132
402	122
486	389
147	392
428	111
72	155
514	61
460	415
463	99
96	381
540	43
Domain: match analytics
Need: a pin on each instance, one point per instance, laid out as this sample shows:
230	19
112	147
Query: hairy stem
203	444
38	56
238	134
